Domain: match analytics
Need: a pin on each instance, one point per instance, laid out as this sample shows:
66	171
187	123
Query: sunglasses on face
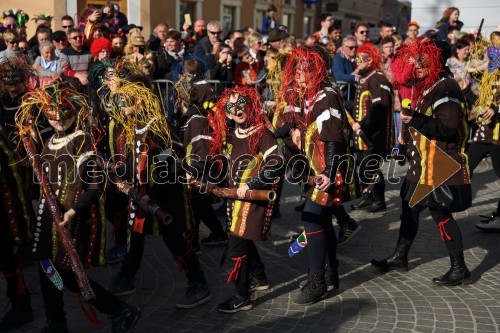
352	47
60	40
68	26
215	32
10	26
76	37
363	32
239	38
13	42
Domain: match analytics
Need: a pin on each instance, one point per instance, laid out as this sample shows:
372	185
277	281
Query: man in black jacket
208	45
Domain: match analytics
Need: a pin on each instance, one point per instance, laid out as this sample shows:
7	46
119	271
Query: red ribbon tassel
442	230
236	269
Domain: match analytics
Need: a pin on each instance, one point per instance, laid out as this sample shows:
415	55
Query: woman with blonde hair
12	39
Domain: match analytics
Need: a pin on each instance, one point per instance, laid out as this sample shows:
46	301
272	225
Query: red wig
100	44
255	117
311	63
373	53
427	54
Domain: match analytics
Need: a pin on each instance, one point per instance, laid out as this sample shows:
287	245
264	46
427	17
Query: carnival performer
73	189
486	139
374	117
111	143
150	154
16	212
438	120
194	132
321	118
254	162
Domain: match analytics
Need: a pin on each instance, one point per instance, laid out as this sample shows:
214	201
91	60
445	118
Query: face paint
362	57
124	102
239	105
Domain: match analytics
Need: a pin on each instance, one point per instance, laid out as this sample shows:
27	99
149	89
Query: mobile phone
187	19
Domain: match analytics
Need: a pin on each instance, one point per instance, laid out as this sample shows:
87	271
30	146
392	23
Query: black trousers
368	168
116	206
203	211
105	301
477	152
321	238
9	265
244	253
448	227
177	245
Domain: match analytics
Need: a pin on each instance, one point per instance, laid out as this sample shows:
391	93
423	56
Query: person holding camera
221	66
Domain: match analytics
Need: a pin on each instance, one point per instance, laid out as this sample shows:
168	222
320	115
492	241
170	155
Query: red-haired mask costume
438	124
254	160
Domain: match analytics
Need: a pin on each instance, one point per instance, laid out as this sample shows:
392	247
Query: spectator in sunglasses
75	60
9	23
209	44
344	64
60	41
67	23
361	33
256	47
11	38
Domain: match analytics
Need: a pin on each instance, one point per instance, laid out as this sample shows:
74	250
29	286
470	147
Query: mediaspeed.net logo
440	166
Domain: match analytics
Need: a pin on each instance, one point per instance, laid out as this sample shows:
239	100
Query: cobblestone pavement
366	301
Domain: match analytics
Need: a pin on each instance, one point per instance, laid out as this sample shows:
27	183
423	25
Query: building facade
298	16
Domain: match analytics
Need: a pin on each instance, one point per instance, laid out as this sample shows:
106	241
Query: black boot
397	261
332	276
19	314
314	290
458	273
365	202
378	203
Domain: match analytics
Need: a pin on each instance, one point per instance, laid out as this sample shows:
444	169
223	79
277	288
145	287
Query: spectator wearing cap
67	23
169	56
101	49
269	22
135	51
411	32
210	43
326	21
75	60
275	37
48	64
158	37
361	33
131	28
60	41
385	30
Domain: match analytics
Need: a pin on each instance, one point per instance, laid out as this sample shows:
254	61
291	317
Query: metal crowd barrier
349	88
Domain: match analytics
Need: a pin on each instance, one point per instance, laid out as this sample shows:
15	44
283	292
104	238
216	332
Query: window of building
187	7
307	25
227	18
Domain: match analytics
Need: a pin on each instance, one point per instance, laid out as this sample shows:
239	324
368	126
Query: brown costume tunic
374	112
69	162
250	219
